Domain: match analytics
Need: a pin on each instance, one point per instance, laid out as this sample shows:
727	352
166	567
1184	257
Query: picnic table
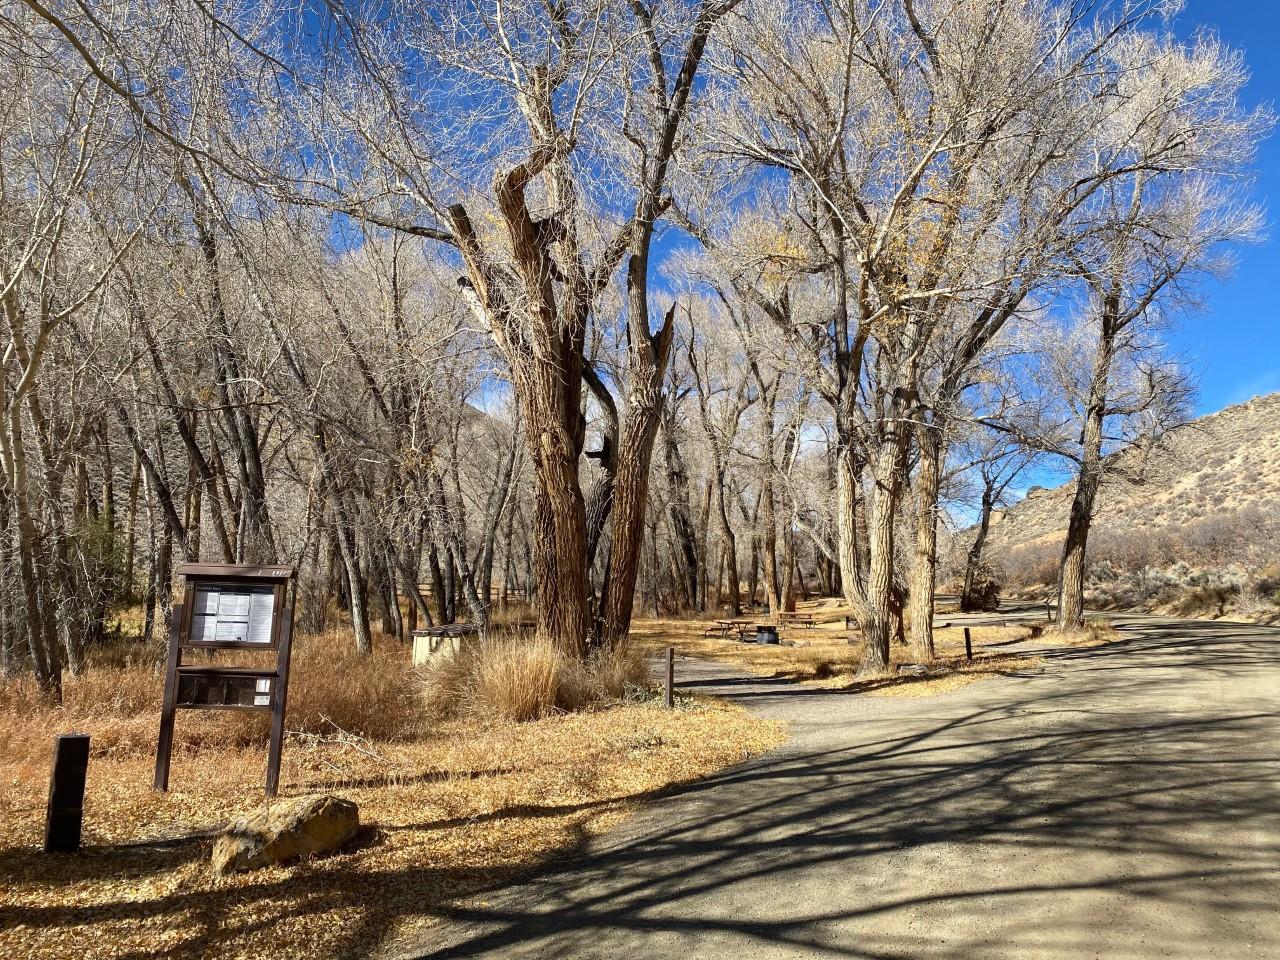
724	627
801	619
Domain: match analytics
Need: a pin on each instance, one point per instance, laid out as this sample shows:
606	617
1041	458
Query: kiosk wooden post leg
164	743
279	695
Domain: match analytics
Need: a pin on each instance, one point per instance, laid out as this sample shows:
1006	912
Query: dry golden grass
117	700
448	809
828	654
520	677
946	673
1095	632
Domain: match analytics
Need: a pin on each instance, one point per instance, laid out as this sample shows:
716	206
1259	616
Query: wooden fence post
65	813
671	678
968	645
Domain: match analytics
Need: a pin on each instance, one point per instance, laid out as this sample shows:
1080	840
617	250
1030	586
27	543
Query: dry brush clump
518	677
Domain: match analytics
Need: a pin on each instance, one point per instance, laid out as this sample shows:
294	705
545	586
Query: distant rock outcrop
1224	463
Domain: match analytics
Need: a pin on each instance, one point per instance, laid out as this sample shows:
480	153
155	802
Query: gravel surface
1124	803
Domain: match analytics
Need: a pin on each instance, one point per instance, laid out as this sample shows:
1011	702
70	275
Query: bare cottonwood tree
1144	239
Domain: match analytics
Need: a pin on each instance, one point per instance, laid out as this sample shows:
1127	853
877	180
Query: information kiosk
228	607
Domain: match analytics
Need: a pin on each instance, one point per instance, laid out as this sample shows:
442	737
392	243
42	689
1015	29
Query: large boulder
285	831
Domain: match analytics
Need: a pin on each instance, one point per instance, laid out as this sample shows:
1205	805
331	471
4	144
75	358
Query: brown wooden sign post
227	607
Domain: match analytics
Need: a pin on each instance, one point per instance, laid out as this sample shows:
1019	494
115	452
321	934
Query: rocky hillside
1223	465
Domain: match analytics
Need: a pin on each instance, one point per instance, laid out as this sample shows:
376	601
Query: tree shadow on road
1128	803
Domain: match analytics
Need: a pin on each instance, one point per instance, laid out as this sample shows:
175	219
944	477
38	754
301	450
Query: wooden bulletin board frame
187	677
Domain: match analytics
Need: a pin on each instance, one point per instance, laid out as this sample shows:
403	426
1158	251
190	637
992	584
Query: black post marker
66	793
968	645
671	678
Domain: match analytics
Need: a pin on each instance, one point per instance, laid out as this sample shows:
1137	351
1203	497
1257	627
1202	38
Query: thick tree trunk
648	351
848	469
550	392
924	569
678	508
559	545
1089	478
545	343
543	338
973	559
877	616
631	496
789	565
769	546
647	372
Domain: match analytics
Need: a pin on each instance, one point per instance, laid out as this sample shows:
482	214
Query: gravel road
1124	803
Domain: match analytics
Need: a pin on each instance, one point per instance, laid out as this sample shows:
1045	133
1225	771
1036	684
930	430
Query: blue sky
1234	344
